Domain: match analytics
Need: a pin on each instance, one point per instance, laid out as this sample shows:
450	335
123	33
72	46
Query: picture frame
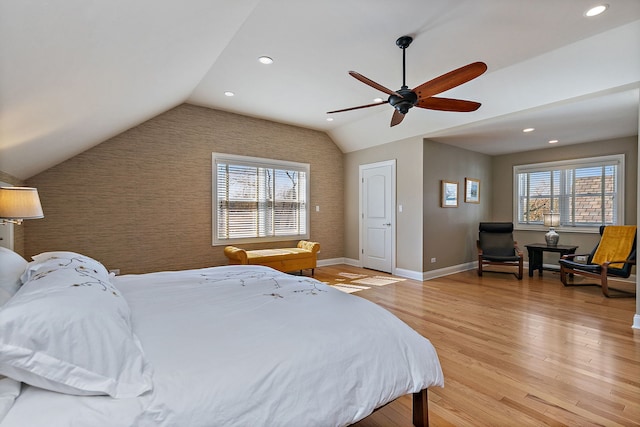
471	190
449	194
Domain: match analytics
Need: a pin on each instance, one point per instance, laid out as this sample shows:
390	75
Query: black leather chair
568	266
497	247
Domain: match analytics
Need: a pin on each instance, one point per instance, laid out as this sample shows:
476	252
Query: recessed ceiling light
596	10
377	100
265	60
527	130
329	119
228	93
553	141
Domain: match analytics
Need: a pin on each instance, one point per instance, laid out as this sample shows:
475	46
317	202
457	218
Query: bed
220	346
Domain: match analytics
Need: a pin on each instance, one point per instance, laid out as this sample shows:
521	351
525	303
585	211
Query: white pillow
12	266
69	330
52	260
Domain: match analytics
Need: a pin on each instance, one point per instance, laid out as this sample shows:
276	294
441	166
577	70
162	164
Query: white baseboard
330	261
352	262
636	322
428	275
409	274
335	261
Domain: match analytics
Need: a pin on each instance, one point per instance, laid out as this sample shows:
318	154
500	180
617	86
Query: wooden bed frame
421	409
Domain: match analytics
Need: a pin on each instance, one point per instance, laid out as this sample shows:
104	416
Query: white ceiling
75	73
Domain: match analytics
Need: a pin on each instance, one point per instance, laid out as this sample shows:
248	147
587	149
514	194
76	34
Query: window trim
257	162
618	159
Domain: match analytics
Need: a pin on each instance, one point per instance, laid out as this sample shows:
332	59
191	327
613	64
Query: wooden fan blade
448	104
373	84
450	80
396	118
356	108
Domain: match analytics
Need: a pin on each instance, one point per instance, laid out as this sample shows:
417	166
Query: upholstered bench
284	259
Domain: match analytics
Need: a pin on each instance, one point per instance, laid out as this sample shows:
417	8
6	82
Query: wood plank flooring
516	353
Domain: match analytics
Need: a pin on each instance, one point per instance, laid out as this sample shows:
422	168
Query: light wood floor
516	353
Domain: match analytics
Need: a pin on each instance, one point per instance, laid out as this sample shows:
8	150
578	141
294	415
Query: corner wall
408	155
450	234
141	201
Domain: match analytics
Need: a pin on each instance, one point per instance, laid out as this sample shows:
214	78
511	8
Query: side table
536	251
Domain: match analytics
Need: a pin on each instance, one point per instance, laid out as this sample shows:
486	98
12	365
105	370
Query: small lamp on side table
552	220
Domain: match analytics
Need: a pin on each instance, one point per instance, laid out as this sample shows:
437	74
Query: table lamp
552	220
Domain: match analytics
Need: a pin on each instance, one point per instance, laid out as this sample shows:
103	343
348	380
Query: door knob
387	224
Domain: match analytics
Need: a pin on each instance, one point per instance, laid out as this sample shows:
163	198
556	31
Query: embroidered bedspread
250	346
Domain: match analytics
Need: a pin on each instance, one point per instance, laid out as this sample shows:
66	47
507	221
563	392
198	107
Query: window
586	192
258	199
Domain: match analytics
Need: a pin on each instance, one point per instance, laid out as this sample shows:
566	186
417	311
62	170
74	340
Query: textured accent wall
141	201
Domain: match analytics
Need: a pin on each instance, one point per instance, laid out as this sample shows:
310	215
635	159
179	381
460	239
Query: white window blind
257	199
585	192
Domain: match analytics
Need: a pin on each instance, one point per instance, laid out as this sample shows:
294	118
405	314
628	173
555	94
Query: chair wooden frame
602	272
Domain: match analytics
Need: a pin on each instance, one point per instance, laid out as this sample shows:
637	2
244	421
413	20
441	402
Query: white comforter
249	346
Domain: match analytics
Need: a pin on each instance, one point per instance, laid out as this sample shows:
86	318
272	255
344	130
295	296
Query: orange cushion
257	256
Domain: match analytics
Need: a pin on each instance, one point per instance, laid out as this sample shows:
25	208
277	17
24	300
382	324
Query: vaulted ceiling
75	73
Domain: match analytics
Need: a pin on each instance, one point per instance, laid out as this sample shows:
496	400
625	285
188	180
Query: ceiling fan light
596	10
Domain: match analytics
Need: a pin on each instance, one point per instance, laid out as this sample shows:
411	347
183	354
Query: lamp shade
552	219
18	203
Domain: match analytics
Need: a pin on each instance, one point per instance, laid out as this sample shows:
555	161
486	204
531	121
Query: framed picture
449	194
471	190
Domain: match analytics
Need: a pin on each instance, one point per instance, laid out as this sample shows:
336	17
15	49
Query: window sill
231	242
538	228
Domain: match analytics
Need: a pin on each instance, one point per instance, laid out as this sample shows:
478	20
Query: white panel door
377	217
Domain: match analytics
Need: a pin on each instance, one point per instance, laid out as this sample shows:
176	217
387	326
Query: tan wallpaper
141	201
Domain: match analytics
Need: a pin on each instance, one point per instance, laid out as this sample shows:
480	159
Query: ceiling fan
422	96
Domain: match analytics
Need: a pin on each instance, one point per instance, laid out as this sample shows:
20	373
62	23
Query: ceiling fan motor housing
404	42
405	101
